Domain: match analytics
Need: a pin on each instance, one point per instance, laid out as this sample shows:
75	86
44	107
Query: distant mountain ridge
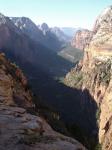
70	31
60	34
41	35
53	38
23	49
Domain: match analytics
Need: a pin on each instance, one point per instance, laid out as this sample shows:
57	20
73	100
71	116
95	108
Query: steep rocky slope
20	48
13	85
94	73
42	34
58	32
81	38
18	128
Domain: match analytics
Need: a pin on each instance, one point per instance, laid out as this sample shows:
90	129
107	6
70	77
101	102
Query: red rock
81	39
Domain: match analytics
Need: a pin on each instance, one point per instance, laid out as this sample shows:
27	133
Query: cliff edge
94	73
19	129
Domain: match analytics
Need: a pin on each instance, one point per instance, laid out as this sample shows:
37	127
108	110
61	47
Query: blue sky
73	13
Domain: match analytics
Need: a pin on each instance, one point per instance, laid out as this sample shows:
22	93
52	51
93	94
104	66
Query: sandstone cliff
20	130
81	38
94	73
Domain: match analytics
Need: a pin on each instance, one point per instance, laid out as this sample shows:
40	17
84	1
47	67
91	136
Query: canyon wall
94	73
81	38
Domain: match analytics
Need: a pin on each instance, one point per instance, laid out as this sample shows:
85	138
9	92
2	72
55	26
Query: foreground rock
20	130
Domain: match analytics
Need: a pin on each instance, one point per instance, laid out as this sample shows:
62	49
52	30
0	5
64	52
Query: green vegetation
76	79
35	138
98	147
72	54
10	68
104	72
98	112
59	79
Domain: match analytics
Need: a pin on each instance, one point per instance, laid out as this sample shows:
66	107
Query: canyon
65	95
21	127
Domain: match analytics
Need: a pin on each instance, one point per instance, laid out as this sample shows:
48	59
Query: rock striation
94	73
81	39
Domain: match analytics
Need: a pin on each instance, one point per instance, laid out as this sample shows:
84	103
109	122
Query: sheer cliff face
102	39
81	39
18	128
95	74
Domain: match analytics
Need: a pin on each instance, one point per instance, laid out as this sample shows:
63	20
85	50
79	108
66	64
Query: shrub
98	147
35	138
98	112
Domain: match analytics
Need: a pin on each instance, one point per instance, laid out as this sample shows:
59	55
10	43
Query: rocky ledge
20	130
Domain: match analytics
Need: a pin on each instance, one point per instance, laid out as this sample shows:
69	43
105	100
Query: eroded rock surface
20	130
81	39
94	73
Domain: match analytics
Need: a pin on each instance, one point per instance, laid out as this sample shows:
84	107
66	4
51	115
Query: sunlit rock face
102	39
95	74
81	38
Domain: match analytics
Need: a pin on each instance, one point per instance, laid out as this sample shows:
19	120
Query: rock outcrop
13	85
81	38
18	128
94	73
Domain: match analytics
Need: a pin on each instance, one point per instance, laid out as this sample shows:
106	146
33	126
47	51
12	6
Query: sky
61	13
